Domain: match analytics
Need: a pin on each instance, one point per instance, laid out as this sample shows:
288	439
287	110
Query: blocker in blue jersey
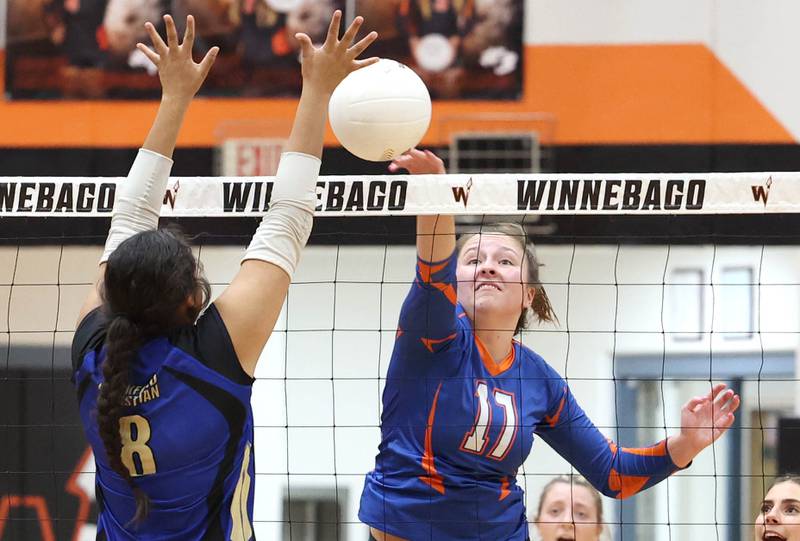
187	434
164	395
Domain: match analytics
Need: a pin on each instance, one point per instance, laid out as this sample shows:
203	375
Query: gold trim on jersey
241	529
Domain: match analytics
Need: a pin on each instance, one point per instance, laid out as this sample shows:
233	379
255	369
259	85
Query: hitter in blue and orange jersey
464	401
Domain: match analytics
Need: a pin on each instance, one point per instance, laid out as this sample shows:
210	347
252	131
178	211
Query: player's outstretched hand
418	162
326	66
181	77
703	420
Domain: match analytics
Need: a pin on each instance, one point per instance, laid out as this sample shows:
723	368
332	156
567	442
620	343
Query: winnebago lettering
611	195
375	195
332	196
67	197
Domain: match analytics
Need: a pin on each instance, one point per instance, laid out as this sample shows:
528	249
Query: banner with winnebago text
508	194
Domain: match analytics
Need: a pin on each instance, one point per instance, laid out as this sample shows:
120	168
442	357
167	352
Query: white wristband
138	200
286	227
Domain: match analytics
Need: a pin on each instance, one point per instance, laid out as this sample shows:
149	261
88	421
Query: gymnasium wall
623	72
635	86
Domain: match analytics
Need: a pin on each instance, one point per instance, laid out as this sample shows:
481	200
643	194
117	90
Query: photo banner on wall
86	49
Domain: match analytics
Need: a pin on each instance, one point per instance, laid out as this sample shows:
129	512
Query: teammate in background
779	519
570	508
165	397
463	400
76	26
435	29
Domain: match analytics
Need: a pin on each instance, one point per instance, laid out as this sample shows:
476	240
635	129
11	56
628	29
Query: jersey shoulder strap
208	341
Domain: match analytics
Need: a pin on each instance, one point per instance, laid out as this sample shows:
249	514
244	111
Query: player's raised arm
252	302
428	315
138	200
436	235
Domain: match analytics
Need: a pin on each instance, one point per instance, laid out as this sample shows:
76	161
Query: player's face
569	512
491	271
779	519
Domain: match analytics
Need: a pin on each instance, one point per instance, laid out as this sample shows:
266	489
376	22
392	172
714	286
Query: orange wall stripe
646	94
600	94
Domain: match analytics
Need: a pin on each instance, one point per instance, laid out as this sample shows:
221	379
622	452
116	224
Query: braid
149	284
122	341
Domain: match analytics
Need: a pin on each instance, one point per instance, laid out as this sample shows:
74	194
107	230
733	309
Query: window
314	515
684	308
734	314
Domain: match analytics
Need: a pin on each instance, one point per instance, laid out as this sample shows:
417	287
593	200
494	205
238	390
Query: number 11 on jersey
476	440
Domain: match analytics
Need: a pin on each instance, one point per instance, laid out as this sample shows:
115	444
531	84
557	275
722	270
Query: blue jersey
187	434
456	426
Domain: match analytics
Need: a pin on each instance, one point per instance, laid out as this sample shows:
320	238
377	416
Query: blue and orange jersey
456	427
187	434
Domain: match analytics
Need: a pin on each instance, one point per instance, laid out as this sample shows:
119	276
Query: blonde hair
573	480
541	302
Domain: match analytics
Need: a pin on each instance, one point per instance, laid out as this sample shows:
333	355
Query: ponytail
541	307
123	339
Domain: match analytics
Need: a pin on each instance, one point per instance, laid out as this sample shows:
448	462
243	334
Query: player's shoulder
208	342
533	361
89	336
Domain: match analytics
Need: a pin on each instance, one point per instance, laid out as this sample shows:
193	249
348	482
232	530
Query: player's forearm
681	450
137	203
308	130
617	472
436	237
138	199
163	134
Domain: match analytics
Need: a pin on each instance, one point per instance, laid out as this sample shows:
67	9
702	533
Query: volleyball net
662	285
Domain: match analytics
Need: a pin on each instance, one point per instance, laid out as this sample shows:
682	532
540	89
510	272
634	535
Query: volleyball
380	111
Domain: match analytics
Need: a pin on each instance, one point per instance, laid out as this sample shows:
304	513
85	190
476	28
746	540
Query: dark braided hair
147	282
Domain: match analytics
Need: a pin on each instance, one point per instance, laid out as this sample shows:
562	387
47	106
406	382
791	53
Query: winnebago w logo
172	194
761	193
461	193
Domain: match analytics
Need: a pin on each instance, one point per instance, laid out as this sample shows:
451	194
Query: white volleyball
380	111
